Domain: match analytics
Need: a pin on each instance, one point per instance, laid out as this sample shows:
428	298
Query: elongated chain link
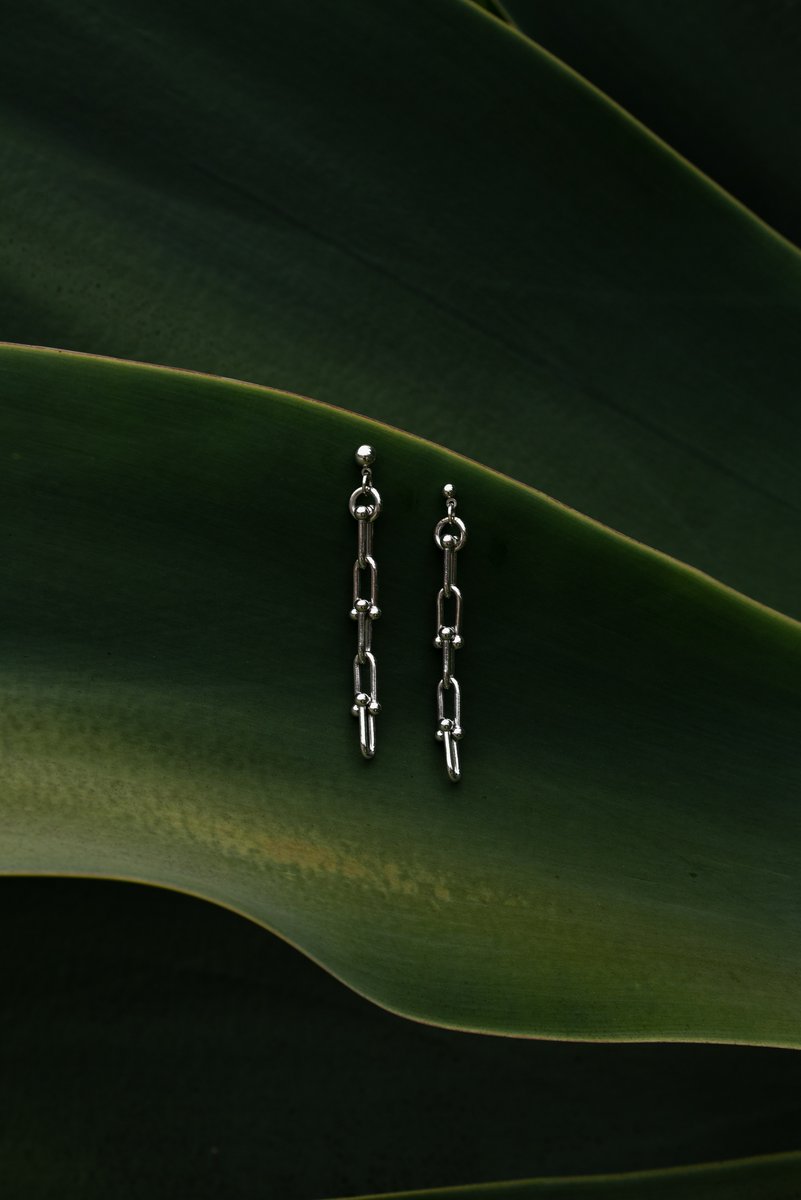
365	506
450	535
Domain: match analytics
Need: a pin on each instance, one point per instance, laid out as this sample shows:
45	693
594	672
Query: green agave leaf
154	1045
719	81
477	246
621	860
774	1178
496	9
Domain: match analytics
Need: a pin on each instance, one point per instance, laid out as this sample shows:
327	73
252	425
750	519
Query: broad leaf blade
496	9
718	81
475	246
774	1178
621	860
173	1048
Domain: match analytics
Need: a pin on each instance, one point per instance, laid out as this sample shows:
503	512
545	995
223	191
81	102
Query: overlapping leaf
718	81
408	210
153	1045
483	250
774	1178
621	861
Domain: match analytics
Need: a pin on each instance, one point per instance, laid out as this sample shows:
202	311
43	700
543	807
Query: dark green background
718	81
154	1045
407	209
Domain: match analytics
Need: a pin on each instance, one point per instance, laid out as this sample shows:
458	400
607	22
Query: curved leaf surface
496	9
718	81
774	1178
476	246
177	1050
621	860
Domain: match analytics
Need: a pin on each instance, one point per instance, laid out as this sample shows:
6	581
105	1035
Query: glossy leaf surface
718	81
774	1178
475	246
621	858
154	1045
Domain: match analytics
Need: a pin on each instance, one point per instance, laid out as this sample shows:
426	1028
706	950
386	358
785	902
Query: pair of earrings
450	536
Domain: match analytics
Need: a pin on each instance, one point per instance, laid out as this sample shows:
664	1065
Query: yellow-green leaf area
620	860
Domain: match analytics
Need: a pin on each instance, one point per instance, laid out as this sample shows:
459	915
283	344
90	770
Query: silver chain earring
449	635
365	507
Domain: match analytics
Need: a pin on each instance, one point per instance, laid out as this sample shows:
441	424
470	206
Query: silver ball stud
449	492
365	456
361	700
361	606
448	541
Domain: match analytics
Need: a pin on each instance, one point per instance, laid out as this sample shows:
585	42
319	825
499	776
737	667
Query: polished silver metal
365	507
448	638
449	729
450	535
365	611
365	703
